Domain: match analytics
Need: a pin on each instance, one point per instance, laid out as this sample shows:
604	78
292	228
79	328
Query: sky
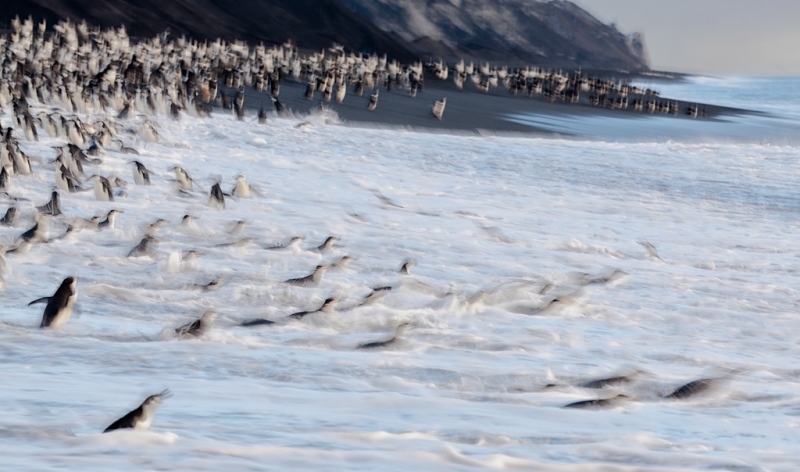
716	37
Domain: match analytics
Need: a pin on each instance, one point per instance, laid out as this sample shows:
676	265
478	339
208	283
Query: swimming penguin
36	234
609	382
327	306
691	389
343	262
52	207
327	245
386	200
238	227
373	101
102	189
94	149
190	259
141	175
438	108
597	404
142	249
141	417
78	223
183	178
293	241
406	268
69	161
588	279
376	294
59	307
8	219
262	115
309	280
175	111
188	221
124	112
197	328
109	221
212	286
118	182
215	196
651	250
80	157
256	322
399	332
126	149
238	243
242	188
156	225
148	132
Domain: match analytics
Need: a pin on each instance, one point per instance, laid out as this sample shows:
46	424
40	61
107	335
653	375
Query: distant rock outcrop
553	33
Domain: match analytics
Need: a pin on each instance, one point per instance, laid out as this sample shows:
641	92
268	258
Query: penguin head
155	401
71	283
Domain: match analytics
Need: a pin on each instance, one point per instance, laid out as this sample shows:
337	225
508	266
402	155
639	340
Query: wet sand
467	110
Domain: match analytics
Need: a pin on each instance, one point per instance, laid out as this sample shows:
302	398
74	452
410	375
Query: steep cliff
554	32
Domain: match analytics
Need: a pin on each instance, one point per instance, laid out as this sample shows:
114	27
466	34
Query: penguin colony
82	86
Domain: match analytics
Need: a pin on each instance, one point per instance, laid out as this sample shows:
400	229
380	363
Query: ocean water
481	378
772	105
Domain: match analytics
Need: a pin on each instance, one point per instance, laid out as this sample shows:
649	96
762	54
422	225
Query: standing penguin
102	189
215	197
59	307
183	178
373	101
310	88
141	175
242	188
438	108
279	107
238	104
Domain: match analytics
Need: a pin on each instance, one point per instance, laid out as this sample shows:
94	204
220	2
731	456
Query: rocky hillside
551	32
310	23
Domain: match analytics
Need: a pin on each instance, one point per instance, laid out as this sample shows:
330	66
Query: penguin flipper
257	322
122	423
375	344
189	329
40	300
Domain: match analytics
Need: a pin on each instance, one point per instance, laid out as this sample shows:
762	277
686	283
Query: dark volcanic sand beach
467	110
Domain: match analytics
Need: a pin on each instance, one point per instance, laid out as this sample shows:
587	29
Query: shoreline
468	110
